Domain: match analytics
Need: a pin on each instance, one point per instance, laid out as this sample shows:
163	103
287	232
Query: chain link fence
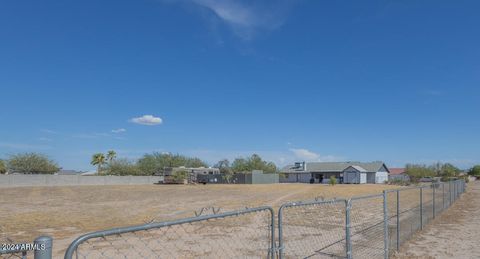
371	226
312	229
240	234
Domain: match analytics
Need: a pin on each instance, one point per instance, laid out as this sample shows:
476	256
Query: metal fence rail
248	233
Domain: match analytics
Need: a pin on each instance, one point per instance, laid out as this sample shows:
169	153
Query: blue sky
396	81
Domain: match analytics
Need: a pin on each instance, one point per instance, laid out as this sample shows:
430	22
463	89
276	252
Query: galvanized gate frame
115	231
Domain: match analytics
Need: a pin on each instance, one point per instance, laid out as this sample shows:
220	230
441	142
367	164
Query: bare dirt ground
67	212
455	234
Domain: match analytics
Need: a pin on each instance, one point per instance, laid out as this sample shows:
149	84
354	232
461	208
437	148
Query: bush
400	182
122	167
332	181
475	171
31	163
179	176
3	168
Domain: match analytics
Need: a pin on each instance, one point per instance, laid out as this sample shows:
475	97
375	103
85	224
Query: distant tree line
445	171
154	163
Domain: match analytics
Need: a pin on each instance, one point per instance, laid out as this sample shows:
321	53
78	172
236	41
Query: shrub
122	167
3	168
400	182
179	176
332	181
31	163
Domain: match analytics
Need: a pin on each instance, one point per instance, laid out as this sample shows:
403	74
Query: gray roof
336	166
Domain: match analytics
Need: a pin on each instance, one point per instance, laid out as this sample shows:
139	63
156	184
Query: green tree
448	171
111	155
225	169
254	162
98	159
419	171
179	176
475	171
31	163
155	163
122	166
3	167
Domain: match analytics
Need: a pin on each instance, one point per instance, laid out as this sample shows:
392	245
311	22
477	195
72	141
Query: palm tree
111	155
98	159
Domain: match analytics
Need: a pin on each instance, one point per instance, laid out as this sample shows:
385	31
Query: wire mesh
409	213
392	210
427	204
367	227
313	230
245	235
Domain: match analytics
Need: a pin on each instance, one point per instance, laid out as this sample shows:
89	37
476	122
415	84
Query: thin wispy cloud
45	139
92	135
246	18
121	130
49	131
305	154
148	120
23	146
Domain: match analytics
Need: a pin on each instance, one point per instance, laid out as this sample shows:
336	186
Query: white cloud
308	155
245	18
45	139
118	130
147	120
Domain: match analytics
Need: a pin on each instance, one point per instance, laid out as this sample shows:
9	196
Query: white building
345	172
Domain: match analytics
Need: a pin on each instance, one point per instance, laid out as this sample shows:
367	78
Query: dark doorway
319	178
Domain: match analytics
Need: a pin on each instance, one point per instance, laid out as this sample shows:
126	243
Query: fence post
272	233
385	225
348	242
421	208
44	249
280	232
443	196
454	191
434	187
449	193
398	220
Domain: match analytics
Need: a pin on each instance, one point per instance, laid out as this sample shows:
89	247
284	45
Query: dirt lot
67	212
452	235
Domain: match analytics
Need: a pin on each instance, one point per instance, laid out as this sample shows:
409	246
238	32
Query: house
345	172
398	174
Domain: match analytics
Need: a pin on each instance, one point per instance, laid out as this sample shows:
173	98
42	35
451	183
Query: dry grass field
67	212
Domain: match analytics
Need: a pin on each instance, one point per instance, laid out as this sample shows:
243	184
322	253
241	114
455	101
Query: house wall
363	177
296	178
381	177
371	177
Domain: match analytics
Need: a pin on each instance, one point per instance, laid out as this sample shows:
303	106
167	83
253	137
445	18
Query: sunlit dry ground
66	212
